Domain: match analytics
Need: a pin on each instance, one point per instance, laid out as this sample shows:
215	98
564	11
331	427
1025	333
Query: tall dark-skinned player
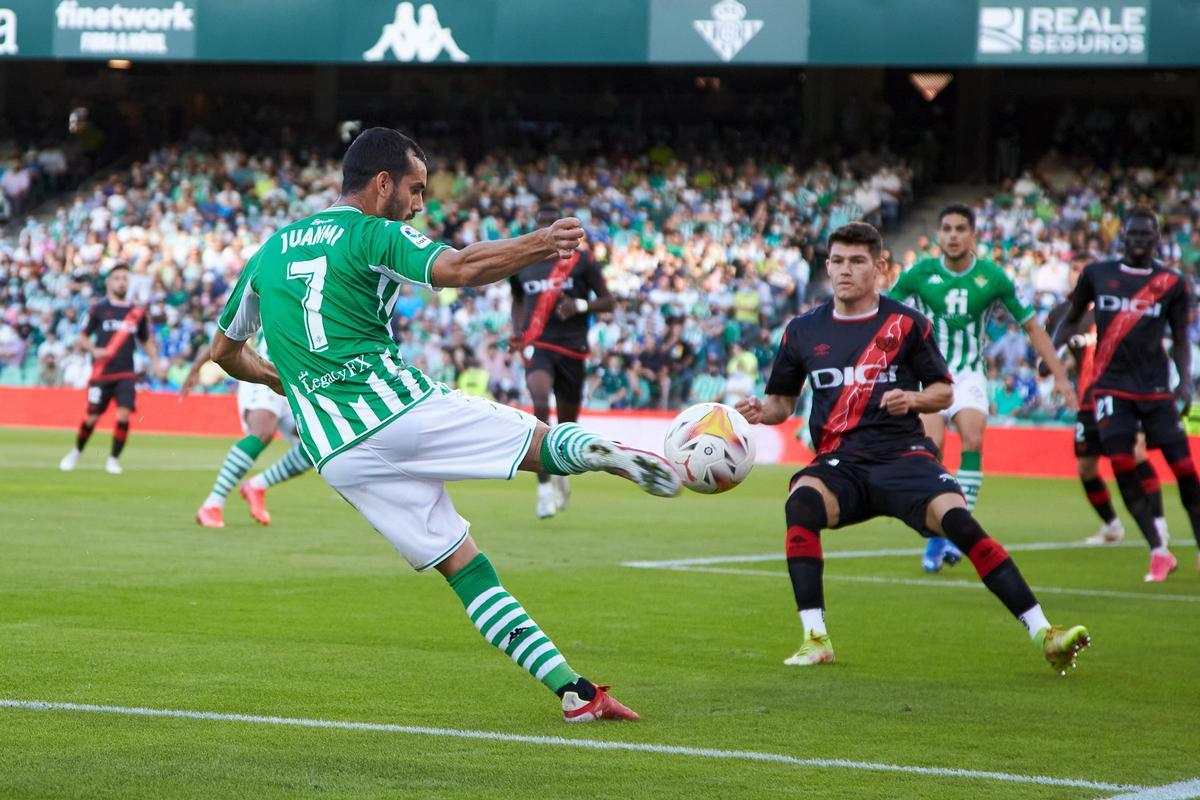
113	327
1135	298
552	301
874	369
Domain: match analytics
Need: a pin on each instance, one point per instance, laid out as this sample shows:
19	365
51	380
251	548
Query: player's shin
563	449
1184	469
507	626
84	433
992	563
1152	487
120	435
805	514
1125	468
294	462
970	476
237	463
1100	499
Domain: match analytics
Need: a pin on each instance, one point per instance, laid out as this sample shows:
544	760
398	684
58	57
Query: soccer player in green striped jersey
959	292
378	430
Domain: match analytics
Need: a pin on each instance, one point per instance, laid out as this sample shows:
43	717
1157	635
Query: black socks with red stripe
120	434
1134	494
1151	486
991	560
85	433
805	512
1101	500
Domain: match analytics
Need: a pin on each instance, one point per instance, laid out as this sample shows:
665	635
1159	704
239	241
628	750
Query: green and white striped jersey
323	289
959	305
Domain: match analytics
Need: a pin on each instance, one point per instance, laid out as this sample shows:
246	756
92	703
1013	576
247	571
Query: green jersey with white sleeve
959	305
323	289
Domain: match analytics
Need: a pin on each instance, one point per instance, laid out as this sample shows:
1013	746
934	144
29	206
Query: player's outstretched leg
999	573
254	491
569	449
237	463
506	625
806	516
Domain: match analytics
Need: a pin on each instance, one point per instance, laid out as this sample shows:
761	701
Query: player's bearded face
407	196
852	271
118	284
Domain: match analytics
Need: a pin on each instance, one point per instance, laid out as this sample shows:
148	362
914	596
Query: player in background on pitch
1080	347
875	366
551	304
112	328
958	292
1135	298
262	413
383	435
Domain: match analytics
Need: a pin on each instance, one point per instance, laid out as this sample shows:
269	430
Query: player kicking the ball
867	358
958	292
378	430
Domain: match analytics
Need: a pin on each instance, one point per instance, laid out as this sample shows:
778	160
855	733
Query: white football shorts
970	391
256	397
396	477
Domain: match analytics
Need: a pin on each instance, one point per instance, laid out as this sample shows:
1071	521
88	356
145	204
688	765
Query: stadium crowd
708	259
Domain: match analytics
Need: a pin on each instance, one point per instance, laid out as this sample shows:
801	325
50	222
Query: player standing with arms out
113	325
958	292
875	366
1081	342
551	301
378	430
1135	299
262	413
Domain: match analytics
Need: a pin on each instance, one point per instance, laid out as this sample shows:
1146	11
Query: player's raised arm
482	263
1082	297
1049	356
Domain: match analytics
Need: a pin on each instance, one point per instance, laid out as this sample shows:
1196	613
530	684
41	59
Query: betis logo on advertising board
728	31
88	28
1065	32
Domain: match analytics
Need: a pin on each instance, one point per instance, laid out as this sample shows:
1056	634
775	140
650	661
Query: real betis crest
728	31
981	281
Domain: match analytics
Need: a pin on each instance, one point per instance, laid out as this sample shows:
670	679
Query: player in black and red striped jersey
552	302
1080	344
113	327
1135	299
874	368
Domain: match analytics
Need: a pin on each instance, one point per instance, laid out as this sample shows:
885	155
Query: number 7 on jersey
312	272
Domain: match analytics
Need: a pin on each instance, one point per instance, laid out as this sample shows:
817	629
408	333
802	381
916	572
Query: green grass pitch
110	594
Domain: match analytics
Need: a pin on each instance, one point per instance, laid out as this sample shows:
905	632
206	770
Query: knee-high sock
1180	459
994	566
84	433
970	476
1125	468
1151	486
563	449
120	435
294	462
507	626
1101	500
805	513
237	463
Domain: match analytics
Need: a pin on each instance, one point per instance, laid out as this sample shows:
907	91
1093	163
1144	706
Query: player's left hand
566	308
564	236
1065	393
1183	398
898	402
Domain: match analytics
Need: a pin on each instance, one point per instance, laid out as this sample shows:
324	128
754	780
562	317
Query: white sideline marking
951	584
99	466
1172	791
592	744
905	551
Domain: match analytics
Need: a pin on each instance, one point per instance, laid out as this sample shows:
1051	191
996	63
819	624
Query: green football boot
1061	645
817	649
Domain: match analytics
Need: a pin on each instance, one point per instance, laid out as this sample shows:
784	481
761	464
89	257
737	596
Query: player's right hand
189	383
564	236
751	409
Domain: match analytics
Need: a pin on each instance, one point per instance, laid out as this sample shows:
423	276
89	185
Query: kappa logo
934	280
416	34
728	31
821	350
517	633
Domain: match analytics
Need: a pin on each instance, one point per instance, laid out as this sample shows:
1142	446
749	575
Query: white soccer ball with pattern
711	446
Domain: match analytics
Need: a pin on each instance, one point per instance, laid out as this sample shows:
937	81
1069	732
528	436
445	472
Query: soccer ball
711	446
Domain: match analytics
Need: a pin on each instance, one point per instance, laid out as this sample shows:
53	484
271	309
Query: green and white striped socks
563	447
238	462
970	476
294	462
507	626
